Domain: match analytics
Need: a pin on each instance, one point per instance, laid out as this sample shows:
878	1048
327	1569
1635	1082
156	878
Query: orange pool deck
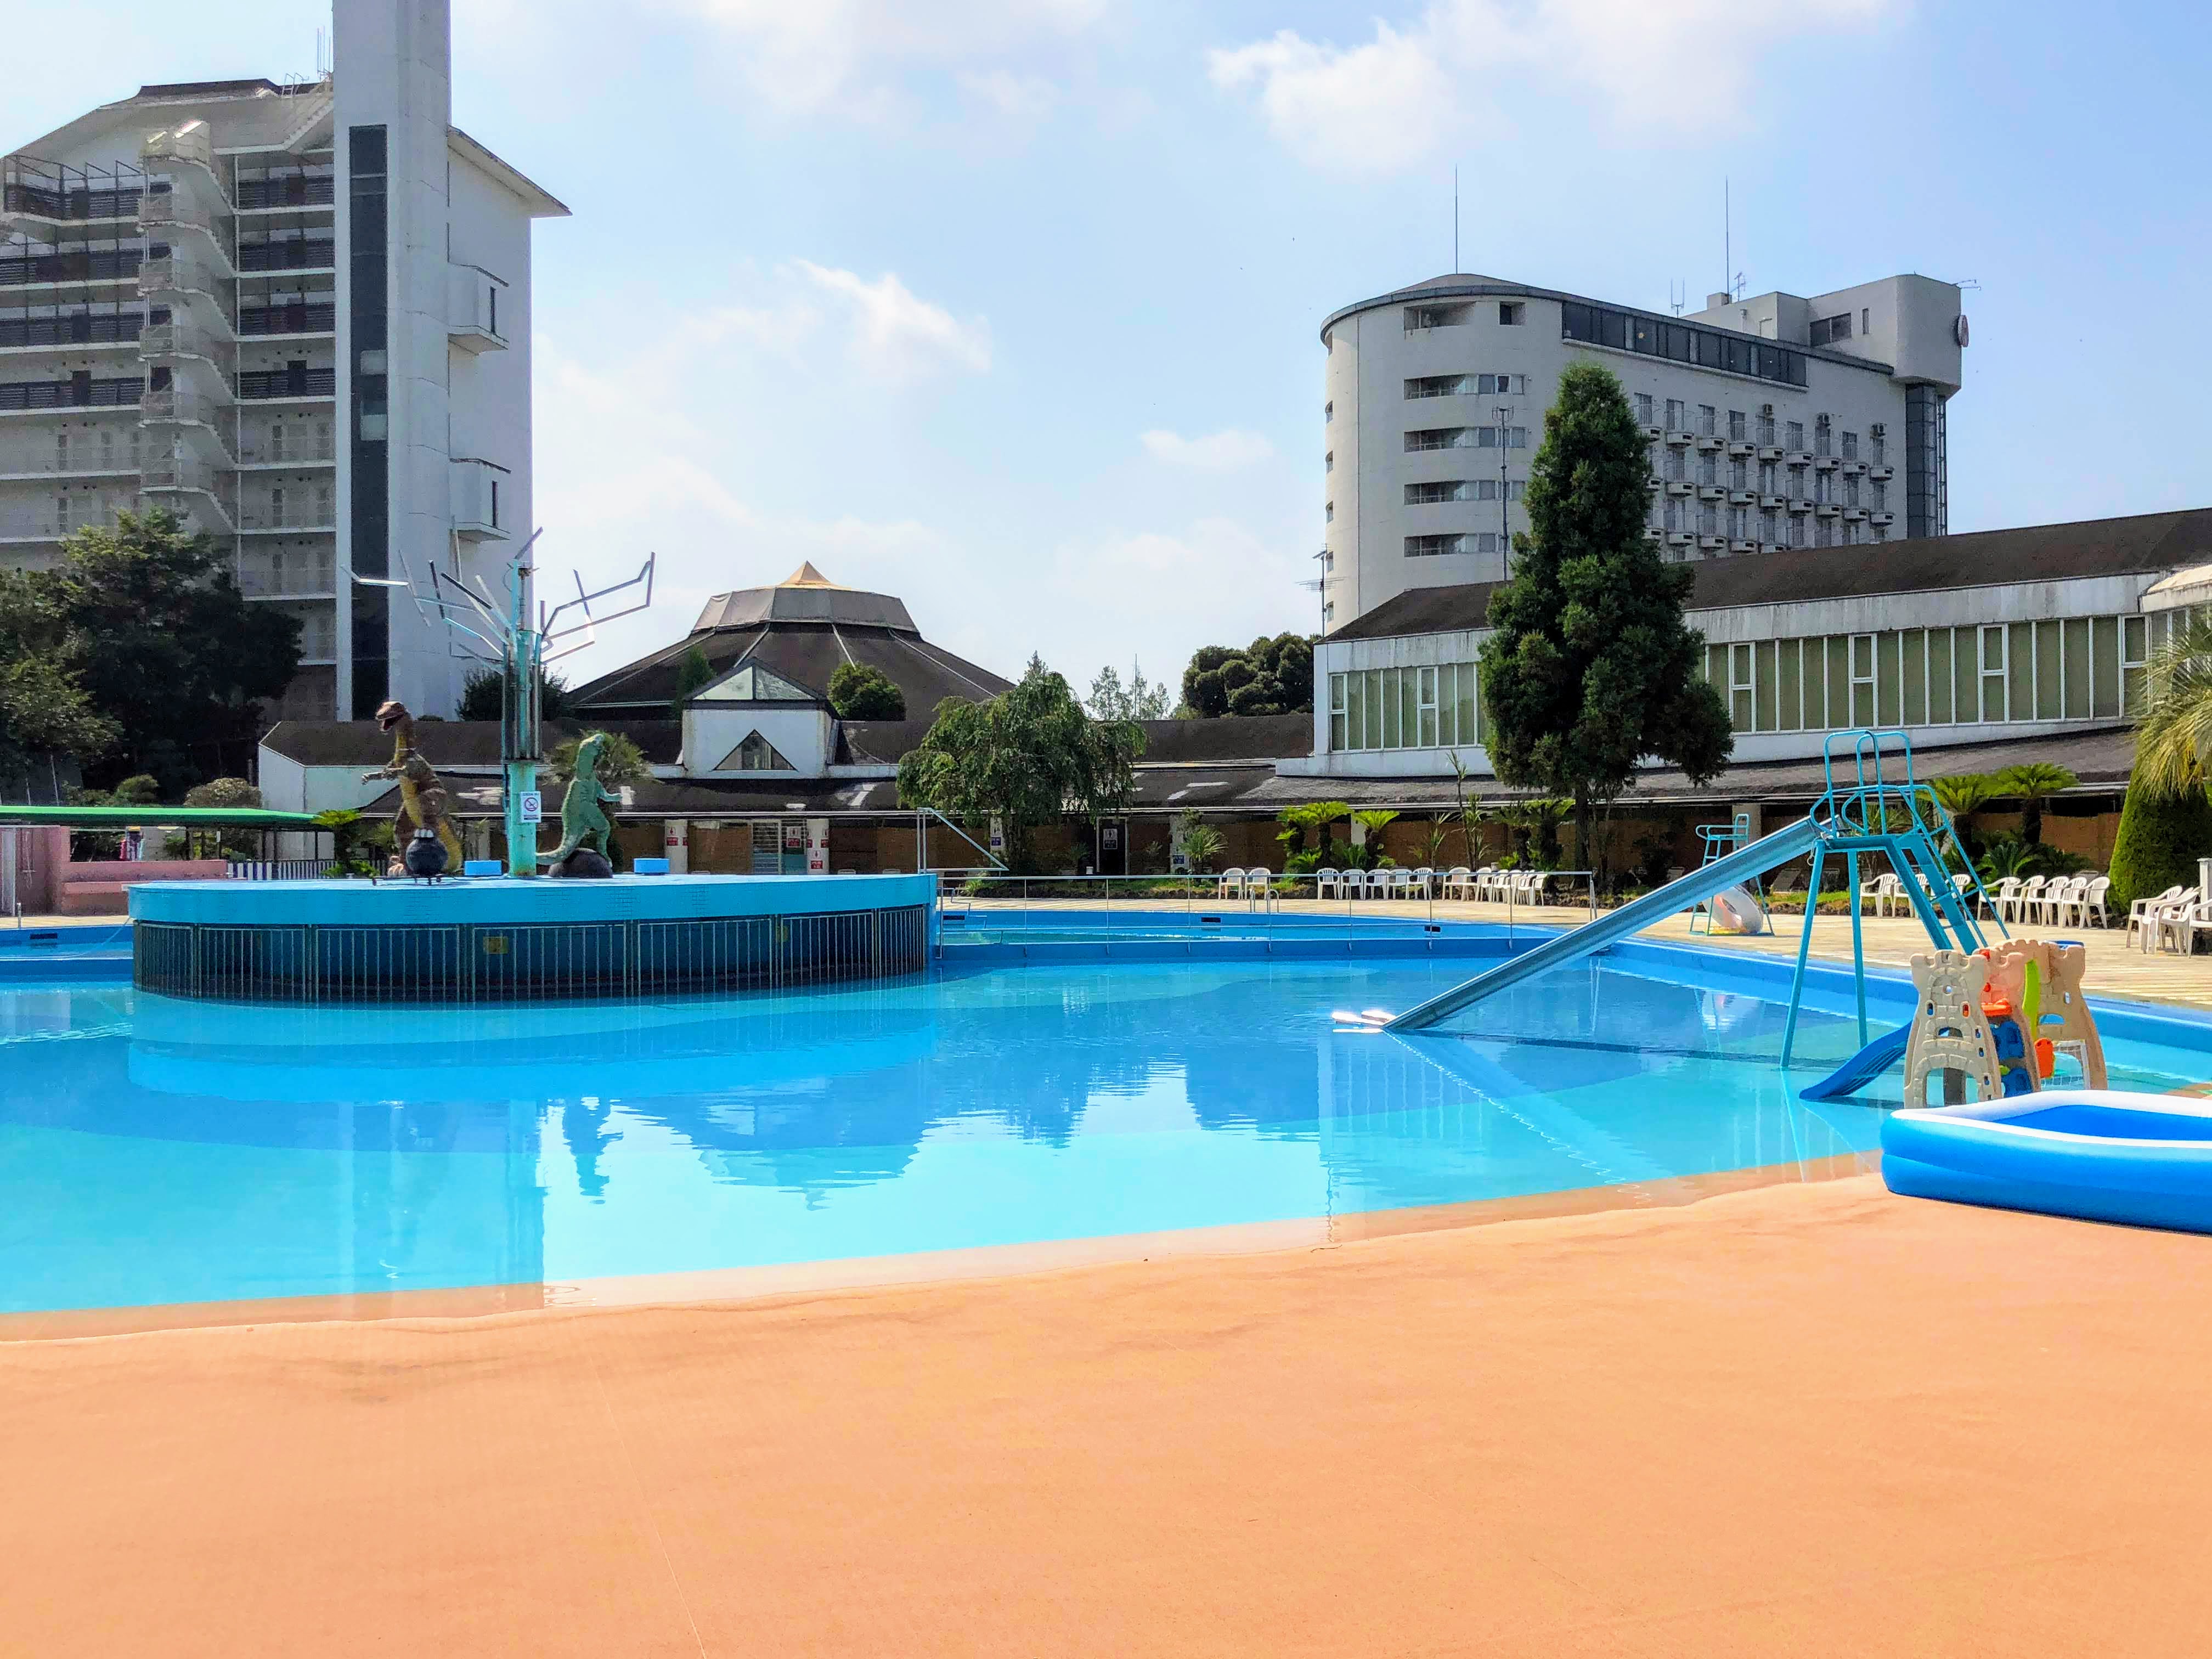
1802	1419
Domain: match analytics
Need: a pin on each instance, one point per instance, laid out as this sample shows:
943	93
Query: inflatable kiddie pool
2145	1160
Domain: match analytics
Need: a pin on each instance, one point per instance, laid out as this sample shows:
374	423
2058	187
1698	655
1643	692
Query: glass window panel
1470	705
1336	730
1409	708
2049	688
2020	671
1447	674
1839	681
1940	711
1763	696
1887	677
1392	726
1913	654
1428	717
1862	656
2075	654
1374	724
2104	667
1863	681
1355	711
1966	679
1717	665
2134	648
1788	693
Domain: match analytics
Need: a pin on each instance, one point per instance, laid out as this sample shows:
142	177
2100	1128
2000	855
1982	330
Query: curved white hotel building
1775	422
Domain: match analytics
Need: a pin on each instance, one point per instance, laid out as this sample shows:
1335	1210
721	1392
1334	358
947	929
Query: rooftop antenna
1728	240
1455	219
1675	300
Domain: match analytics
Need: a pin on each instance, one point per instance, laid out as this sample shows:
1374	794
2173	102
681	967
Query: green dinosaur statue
582	819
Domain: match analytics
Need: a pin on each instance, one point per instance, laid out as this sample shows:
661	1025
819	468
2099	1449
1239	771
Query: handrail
922	815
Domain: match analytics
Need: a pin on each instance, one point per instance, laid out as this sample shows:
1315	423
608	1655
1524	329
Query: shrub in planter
2160	841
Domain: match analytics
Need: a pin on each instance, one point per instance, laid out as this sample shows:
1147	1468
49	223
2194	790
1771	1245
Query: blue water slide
1745	864
1861	1069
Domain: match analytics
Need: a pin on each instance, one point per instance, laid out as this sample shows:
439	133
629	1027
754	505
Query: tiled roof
1986	558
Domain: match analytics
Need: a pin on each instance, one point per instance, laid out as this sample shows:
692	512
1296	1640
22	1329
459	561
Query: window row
1705	423
1467	437
1468	386
1462	490
2077	668
1511	313
1436	547
1425	707
1736	354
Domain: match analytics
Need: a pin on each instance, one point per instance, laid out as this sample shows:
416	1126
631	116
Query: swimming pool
156	1152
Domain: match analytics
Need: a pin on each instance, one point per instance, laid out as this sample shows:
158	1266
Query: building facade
1777	422
297	315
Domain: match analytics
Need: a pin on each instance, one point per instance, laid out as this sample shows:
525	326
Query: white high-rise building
1774	421
297	314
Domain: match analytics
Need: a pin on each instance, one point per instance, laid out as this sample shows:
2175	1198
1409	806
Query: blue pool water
156	1151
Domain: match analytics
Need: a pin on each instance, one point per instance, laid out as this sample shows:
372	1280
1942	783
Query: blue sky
1012	309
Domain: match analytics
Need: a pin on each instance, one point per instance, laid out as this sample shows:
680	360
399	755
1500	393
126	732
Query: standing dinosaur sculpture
583	820
422	795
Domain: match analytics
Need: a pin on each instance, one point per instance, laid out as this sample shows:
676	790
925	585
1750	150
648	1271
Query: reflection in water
160	1151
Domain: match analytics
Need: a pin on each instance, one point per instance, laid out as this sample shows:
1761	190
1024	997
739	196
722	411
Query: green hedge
2158	843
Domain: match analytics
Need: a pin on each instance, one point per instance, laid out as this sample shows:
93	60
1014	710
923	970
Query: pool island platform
500	939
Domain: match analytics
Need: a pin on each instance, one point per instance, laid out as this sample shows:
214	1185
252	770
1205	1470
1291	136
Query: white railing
263	516
262	584
261	450
188	141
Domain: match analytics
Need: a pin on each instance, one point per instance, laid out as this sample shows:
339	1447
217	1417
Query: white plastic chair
1459	881
2170	923
1231	884
1400	884
1328	884
1477	886
1995	901
2093	900
2027	901
2140	912
1424	881
2062	899
1378	884
1885	888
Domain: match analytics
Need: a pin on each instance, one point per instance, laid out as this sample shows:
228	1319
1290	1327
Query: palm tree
2173	737
1966	794
2033	782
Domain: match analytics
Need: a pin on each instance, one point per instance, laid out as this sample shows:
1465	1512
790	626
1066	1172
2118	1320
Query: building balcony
189	143
1742	544
1712	543
1881	517
1798	504
292	576
1826	510
1855	468
73	332
79	391
1876	470
1681	487
1737	446
1773	501
472	309
281	192
1682	538
295	518
1652	435
1679	437
1854	512
309	319
1743	498
1797	457
81	459
258	386
39	199
176	273
263	450
71	268
1825	464
1711	493
170	340
1769	452
290	254
1711	441
475	499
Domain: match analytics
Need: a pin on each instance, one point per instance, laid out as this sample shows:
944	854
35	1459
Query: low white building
1776	422
297	314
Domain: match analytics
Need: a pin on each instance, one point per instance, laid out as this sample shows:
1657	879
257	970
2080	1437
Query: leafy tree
1029	755
1201	842
859	691
2161	835
481	694
2173	738
693	675
1373	820
2032	782
142	790
1297	821
1139	699
1965	795
1268	677
43	709
144	619
1590	666
347	831
620	761
1534	822
223	792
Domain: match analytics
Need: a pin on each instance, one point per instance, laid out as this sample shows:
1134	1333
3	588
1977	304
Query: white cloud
1028	97
808	55
1217	452
895	335
1395	99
